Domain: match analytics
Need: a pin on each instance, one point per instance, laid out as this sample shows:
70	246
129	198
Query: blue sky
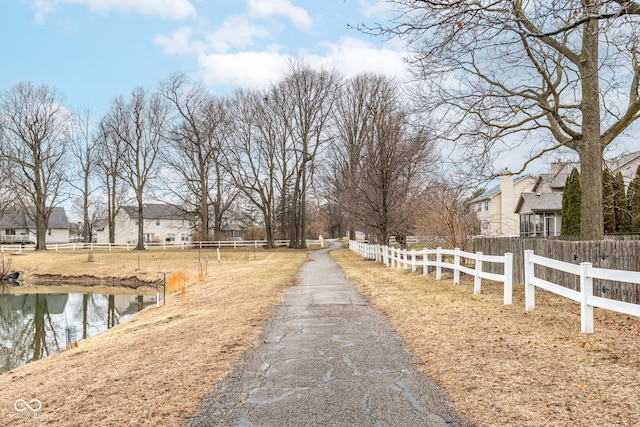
94	50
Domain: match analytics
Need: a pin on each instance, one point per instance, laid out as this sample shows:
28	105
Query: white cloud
268	8
244	69
352	56
165	9
375	8
258	69
179	42
235	32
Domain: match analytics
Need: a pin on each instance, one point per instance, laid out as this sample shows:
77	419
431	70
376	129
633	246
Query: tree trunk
590	148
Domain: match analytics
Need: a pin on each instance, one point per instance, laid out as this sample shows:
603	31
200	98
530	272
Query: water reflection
33	326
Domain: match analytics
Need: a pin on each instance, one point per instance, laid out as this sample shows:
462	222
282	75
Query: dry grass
155	368
502	365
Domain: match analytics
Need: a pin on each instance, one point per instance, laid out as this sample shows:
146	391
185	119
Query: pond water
33	326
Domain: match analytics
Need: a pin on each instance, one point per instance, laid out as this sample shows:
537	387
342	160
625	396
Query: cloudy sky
94	50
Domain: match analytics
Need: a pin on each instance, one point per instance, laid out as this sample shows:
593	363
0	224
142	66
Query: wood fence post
425	260
438	262
586	290
529	289
477	281
413	260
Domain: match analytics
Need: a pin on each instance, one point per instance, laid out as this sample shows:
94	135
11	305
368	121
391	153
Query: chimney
508	218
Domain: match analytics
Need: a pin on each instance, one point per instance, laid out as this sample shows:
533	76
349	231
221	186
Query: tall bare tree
354	110
307	98
538	74
36	129
82	148
254	155
197	128
138	128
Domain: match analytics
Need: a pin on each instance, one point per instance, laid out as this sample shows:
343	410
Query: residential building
162	223
18	226
540	210
496	207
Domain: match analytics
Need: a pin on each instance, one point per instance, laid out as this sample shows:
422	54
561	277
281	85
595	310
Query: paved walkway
326	358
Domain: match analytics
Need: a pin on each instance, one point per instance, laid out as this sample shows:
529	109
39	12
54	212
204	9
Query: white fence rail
586	273
217	244
425	258
440	259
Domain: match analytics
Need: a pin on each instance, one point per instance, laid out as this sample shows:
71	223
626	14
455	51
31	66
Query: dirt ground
500	364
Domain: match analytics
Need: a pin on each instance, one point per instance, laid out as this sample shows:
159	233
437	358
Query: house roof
496	190
554	180
541	202
20	219
619	161
156	210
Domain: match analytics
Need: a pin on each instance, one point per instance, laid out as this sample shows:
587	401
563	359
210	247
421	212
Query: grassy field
500	365
153	369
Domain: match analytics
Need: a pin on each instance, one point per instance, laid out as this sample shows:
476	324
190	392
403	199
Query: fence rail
586	274
217	244
439	259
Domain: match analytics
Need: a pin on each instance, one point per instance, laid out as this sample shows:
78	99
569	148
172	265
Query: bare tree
543	75
138	128
197	129
354	111
396	160
36	136
253	155
307	97
443	217
82	149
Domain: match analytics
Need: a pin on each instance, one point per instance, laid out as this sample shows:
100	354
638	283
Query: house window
171	237
184	237
49	232
486	205
157	222
137	222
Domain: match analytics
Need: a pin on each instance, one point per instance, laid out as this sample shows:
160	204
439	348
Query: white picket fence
586	273
411	259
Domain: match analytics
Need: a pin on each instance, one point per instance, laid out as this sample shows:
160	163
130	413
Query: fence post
508	278
425	260
385	255
438	262
456	266
529	289
477	281
413	260
405	260
586	290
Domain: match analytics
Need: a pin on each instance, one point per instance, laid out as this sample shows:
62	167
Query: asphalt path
326	358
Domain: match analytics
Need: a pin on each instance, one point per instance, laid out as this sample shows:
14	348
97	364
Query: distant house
162	223
496	207
627	164
540	210
17	226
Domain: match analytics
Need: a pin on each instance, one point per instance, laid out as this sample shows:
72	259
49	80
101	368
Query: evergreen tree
623	221
608	201
571	205
633	194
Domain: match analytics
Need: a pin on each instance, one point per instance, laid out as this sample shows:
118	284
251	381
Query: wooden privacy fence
609	254
455	260
586	273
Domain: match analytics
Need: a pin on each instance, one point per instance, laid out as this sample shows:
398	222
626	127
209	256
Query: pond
33	326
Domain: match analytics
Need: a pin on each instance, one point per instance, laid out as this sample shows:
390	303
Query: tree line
312	145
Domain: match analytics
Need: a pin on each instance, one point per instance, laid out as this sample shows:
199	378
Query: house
540	210
162	223
496	207
17	226
627	164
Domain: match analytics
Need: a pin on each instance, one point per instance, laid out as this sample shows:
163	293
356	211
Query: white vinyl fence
437	258
586	273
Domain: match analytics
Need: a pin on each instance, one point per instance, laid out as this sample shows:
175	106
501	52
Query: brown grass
502	365
155	368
